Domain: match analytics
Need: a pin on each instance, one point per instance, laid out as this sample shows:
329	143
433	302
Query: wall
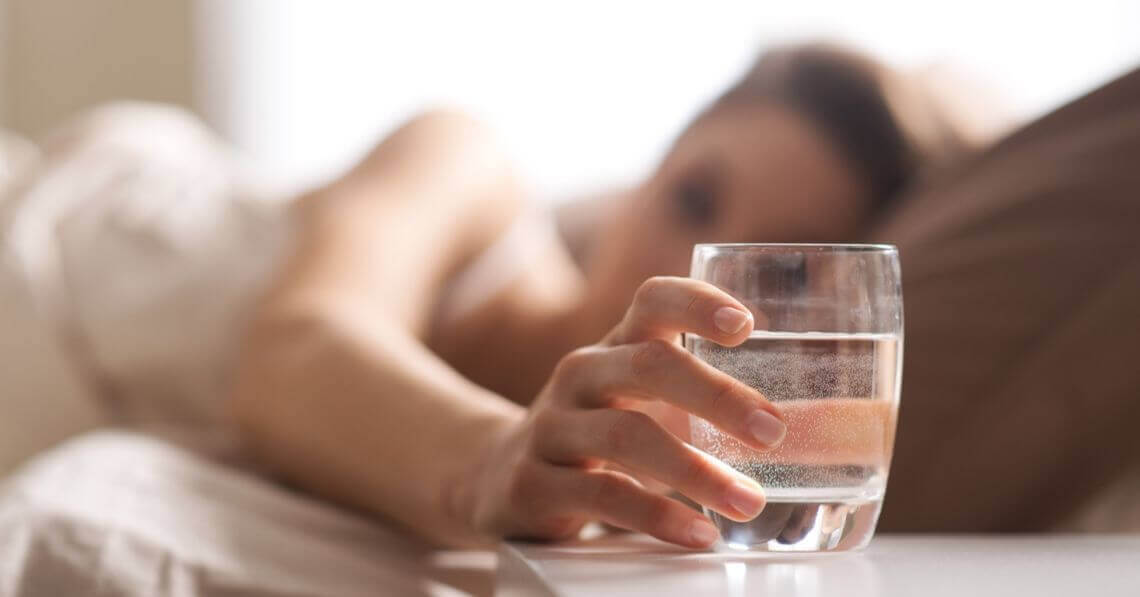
585	93
591	92
62	55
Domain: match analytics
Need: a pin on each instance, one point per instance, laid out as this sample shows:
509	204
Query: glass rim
852	247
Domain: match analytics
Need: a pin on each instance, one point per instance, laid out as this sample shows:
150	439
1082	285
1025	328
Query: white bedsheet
114	513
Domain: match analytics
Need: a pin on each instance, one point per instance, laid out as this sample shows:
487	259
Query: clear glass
827	350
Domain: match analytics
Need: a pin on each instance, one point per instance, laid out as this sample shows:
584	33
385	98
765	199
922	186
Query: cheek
664	247
643	239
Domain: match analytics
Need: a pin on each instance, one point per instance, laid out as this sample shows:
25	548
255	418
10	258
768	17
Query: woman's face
758	173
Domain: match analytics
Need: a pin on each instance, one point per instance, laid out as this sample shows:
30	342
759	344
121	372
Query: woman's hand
547	476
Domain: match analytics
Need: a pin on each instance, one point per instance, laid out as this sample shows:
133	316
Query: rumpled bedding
116	513
131	249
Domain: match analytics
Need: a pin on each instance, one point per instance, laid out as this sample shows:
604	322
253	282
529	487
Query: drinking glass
827	351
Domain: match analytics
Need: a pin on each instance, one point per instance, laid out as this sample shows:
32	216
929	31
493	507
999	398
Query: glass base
801	526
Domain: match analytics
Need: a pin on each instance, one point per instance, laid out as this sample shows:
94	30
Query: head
810	145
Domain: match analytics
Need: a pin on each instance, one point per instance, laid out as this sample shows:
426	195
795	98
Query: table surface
903	565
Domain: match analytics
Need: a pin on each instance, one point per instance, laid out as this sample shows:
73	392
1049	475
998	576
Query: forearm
334	388
362	414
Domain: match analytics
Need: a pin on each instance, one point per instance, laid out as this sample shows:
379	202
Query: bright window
589	93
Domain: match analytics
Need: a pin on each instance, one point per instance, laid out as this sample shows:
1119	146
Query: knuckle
626	432
573	364
651	357
546	421
652	288
698	303
607	492
724	394
658	513
694	471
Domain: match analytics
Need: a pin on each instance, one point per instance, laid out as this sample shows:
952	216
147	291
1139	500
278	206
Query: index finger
661	370
666	306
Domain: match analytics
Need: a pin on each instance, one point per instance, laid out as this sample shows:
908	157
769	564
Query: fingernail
745	500
730	319
766	428
703	533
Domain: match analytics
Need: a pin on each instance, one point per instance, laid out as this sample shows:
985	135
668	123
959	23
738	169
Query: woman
365	380
431	352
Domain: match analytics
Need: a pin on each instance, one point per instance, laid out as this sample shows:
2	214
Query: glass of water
827	351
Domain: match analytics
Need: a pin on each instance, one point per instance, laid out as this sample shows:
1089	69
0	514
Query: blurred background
584	94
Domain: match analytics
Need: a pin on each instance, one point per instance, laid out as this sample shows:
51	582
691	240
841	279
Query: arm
334	389
337	392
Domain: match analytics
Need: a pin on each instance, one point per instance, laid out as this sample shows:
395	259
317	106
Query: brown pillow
1021	274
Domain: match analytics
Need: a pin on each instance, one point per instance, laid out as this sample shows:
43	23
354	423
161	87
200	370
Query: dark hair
884	126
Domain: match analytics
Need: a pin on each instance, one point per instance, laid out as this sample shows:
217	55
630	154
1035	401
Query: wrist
485	446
